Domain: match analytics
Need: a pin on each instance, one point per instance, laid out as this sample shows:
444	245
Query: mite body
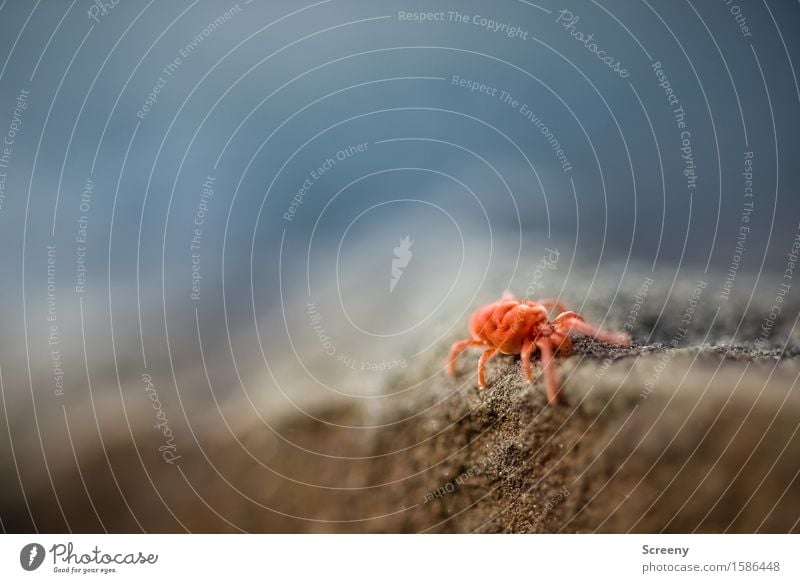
512	326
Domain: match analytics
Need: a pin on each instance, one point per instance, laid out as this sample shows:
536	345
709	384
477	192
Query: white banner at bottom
401	558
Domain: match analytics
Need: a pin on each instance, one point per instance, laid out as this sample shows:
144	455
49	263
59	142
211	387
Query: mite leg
456	350
487	354
550	378
527	351
572	321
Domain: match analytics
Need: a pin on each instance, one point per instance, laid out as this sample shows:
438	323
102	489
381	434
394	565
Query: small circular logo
31	556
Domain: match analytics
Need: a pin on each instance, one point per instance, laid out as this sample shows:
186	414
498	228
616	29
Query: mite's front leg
525	358
550	377
571	321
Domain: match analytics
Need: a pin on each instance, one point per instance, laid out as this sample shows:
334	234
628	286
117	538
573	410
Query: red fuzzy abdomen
507	324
